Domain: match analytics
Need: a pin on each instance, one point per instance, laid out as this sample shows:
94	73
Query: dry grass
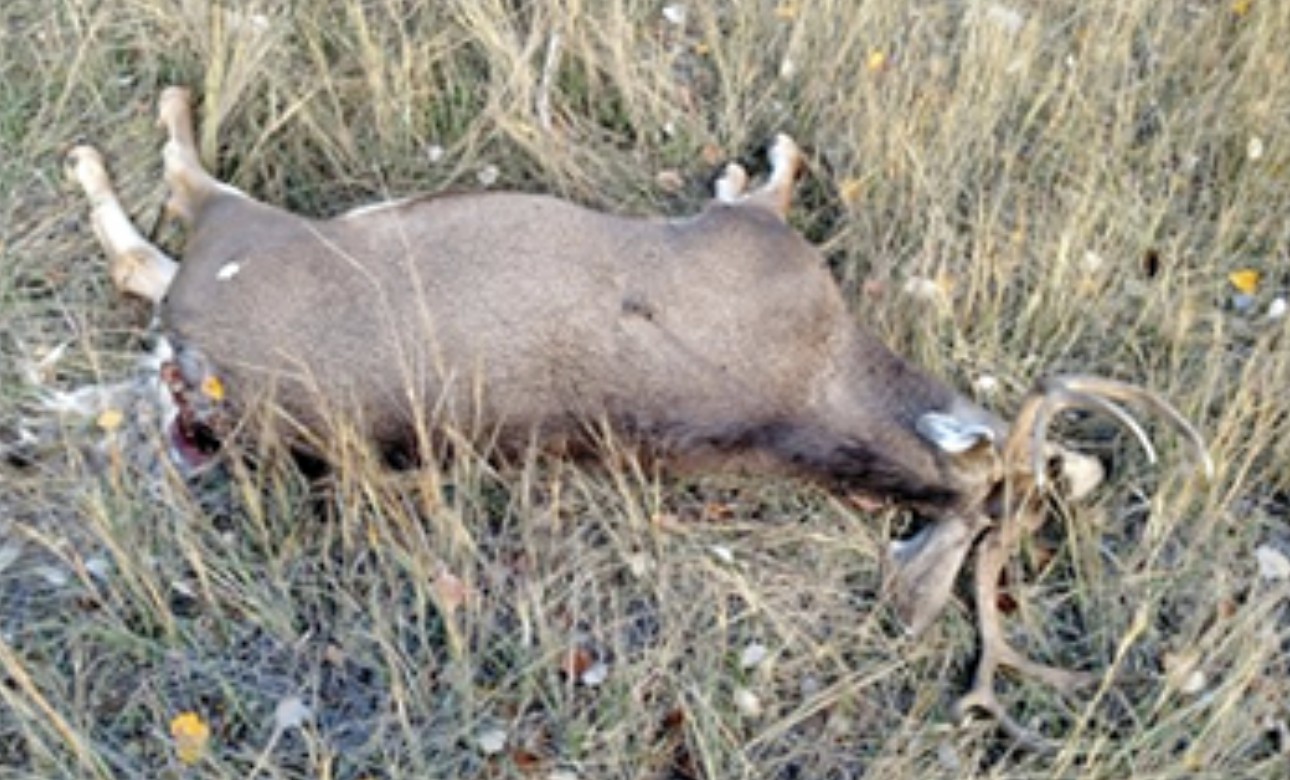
945	145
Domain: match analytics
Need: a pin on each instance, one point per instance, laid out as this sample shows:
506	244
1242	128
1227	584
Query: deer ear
951	434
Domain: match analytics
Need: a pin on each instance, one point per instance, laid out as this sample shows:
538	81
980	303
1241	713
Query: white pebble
291	713
491	741
1277	309
723	554
1254	149
595	675
488	175
675	13
1273	564
753	655
1006	19
747	703
986	384
435	153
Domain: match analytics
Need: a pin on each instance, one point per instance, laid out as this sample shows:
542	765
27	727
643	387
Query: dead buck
706	341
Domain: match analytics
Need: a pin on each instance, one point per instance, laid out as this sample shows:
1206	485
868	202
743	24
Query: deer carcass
520	319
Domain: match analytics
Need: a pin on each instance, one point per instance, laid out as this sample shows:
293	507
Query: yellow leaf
876	61
212	388
786	11
850	190
1245	280
192	736
1242	7
110	419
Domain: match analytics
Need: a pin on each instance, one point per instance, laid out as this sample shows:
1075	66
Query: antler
1024	460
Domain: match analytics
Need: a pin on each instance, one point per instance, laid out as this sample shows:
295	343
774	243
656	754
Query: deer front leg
136	265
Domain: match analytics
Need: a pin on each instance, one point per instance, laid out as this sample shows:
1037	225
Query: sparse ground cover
1004	191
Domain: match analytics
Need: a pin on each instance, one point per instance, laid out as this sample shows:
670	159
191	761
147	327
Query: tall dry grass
1069	185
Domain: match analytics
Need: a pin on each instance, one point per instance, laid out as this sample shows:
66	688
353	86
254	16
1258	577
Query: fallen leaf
669	181
850	190
576	662
1245	280
786	11
110	420
876	62
192	737
1242	7
213	388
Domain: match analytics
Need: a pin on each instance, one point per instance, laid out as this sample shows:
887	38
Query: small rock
52	575
747	703
491	741
595	675
1277	309
675	13
488	175
723	554
435	153
753	655
1274	566
1254	149
291	713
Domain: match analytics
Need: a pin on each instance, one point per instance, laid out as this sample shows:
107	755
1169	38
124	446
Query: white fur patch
228	271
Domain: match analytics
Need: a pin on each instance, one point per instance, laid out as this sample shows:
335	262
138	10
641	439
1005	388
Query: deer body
515	319
718	336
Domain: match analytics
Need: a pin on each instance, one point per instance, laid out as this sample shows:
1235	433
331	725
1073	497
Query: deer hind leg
190	184
137	266
785	162
730	186
776	195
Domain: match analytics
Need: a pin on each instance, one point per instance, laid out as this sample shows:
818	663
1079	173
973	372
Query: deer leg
190	184
136	265
732	183
777	193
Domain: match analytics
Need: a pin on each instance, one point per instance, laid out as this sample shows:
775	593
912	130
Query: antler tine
1097	394
1062	399
1126	393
